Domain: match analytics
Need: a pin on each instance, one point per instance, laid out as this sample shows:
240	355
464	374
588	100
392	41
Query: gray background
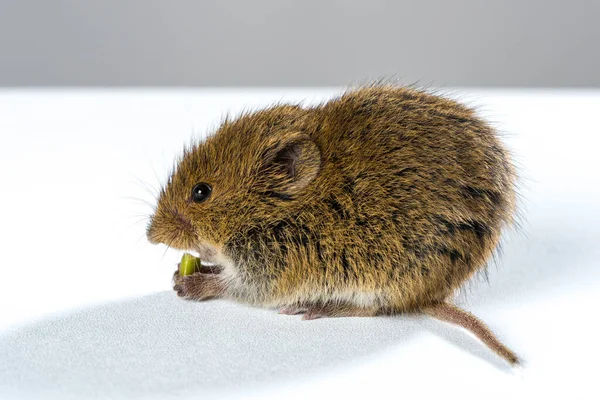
298	43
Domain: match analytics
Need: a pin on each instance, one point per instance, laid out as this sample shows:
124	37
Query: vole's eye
201	192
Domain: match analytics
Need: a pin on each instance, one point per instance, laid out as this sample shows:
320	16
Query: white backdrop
86	309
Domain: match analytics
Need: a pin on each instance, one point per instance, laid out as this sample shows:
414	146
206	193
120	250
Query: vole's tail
450	313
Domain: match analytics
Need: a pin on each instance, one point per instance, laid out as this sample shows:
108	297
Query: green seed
189	264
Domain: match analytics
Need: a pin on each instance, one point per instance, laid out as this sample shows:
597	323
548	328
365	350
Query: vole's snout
170	227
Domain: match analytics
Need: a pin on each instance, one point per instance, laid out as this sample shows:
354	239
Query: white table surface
86	309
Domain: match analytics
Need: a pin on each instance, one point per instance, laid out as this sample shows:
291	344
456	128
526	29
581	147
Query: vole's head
243	175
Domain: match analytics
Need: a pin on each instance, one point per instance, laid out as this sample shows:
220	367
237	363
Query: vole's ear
291	162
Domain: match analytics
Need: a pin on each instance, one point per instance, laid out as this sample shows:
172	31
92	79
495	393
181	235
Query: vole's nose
171	226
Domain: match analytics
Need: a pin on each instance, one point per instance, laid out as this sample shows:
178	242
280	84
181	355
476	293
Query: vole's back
417	189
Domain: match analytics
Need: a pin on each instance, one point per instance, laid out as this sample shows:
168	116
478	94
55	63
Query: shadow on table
162	346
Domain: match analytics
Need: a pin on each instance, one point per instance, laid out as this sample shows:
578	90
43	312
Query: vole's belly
396	283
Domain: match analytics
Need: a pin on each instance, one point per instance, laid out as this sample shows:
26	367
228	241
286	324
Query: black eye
201	192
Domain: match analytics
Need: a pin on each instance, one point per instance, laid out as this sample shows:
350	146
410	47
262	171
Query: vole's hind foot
337	310
198	286
292	310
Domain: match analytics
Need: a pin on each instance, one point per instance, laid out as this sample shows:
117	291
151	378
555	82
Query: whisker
148	188
139	200
138	216
136	222
142	236
170	242
153	170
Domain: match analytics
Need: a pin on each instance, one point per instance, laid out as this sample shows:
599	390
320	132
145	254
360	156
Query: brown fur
384	200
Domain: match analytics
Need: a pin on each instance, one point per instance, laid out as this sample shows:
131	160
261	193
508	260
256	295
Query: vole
383	200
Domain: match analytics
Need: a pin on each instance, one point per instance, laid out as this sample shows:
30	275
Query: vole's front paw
198	286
